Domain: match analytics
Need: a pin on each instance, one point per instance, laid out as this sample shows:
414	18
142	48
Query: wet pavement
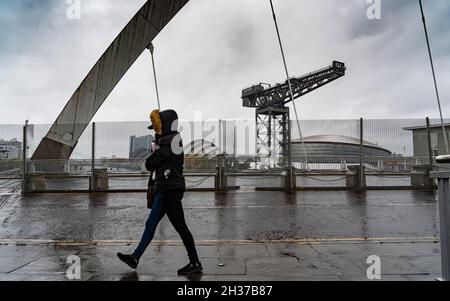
243	235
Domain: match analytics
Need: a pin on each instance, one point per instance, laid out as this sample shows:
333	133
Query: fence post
223	162
224	136
92	184
361	181
430	151
444	219
444	214
291	179
220	136
24	158
235	139
219	182
219	170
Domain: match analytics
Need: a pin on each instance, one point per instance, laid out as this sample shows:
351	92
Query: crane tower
272	113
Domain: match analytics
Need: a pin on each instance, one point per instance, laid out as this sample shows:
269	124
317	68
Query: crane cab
339	67
249	95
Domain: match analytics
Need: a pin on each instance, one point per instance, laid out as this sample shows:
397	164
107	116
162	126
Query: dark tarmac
243	235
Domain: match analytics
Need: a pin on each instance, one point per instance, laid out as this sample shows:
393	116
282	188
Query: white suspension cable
152	49
290	85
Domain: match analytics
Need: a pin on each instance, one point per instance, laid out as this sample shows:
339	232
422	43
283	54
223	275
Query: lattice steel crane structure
272	113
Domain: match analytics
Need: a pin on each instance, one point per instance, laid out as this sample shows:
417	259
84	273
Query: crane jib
279	94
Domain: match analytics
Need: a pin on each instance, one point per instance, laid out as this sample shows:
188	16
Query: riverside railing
220	155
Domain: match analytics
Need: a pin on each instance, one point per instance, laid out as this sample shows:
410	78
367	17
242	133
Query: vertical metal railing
361	155
24	158
430	150
92	182
221	152
444	219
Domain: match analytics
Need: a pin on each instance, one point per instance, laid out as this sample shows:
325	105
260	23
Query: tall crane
272	113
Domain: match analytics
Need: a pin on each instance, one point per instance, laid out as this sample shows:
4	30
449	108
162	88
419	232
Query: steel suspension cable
152	49
434	77
290	85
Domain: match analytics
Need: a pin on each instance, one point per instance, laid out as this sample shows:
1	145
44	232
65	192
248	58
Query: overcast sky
215	48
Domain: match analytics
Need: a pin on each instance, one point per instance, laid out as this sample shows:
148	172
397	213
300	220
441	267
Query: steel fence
221	155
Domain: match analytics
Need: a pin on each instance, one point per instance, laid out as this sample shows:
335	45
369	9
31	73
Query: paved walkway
240	236
231	261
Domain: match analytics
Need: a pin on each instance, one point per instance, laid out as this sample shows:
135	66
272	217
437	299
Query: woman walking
167	162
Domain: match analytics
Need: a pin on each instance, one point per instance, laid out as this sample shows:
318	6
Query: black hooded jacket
167	161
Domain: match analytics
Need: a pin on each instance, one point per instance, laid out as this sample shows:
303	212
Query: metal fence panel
391	156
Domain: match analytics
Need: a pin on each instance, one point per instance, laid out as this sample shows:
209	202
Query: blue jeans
150	227
168	202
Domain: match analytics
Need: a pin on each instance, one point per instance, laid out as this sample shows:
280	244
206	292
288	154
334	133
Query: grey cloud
214	48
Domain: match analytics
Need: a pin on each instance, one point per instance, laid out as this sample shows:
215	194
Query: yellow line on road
349	240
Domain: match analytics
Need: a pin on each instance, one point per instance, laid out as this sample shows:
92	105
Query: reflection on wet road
240	236
248	216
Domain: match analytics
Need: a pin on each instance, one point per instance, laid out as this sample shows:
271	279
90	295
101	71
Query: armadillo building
201	148
329	148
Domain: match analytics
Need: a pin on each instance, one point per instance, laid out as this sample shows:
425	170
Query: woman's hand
155	147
